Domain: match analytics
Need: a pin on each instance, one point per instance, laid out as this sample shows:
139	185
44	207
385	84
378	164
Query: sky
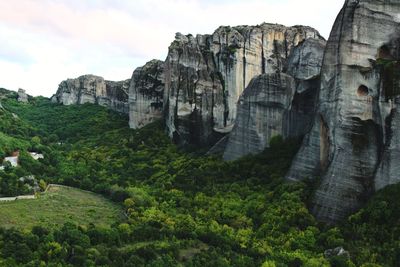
43	42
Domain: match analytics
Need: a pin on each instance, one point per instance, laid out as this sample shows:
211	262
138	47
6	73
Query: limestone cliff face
146	94
206	74
262	110
354	141
279	103
94	89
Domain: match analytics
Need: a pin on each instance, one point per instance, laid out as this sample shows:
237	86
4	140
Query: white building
12	160
36	156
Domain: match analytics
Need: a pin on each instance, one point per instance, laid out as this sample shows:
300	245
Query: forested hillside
182	208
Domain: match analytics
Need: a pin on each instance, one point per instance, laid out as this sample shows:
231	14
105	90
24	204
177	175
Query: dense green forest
182	208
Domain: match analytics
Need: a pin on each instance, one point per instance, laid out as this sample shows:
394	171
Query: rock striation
146	94
206	74
278	103
96	90
354	141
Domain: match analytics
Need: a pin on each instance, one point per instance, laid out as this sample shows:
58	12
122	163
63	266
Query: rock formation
279	103
146	94
22	96
262	111
206	74
354	141
96	90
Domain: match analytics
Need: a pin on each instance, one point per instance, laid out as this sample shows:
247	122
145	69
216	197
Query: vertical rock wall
356	116
146	94
206	74
278	104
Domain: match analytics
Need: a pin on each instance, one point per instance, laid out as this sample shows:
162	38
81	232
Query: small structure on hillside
13	159
36	155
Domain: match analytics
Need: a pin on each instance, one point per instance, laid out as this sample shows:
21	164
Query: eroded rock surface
22	96
96	90
206	74
146	94
353	143
278	103
262	112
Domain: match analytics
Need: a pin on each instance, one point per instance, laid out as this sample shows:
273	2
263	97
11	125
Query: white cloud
44	42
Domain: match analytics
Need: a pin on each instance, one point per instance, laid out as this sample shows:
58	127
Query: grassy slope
58	206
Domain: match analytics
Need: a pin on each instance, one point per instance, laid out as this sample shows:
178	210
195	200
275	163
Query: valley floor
59	205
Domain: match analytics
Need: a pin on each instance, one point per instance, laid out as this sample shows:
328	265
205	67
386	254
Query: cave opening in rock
362	90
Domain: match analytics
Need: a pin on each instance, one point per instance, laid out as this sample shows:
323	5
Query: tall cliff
206	74
96	90
279	103
354	141
146	94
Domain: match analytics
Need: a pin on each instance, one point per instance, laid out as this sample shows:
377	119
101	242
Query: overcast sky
43	42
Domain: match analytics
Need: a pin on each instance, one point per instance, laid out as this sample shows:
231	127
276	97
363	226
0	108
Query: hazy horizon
49	41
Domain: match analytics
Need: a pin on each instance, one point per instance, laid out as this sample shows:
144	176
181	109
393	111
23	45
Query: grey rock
389	168
305	62
262	111
22	96
220	147
146	94
337	252
278	104
94	89
206	74
345	145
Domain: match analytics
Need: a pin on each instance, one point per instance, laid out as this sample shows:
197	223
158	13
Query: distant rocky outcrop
354	143
146	94
22	96
206	74
278	103
96	90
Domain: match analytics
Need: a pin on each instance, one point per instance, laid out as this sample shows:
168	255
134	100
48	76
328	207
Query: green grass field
58	206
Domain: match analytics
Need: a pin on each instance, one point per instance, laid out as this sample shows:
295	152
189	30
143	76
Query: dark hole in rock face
362	90
384	52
